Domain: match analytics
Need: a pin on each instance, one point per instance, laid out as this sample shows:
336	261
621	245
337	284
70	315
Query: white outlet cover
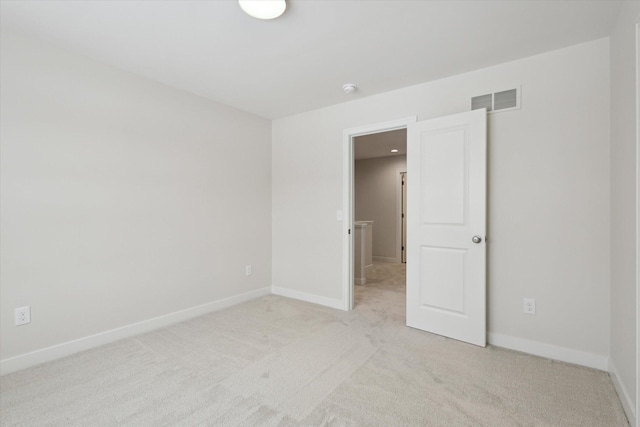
248	271
339	216
530	306
23	315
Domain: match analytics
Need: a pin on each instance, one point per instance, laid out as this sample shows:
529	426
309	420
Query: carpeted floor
281	362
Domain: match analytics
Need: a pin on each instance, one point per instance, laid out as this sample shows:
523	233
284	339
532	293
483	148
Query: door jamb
347	197
399	173
637	402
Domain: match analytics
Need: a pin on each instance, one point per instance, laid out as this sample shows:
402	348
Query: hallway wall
376	198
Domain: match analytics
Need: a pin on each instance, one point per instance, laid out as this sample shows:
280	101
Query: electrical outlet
247	270
23	315
529	306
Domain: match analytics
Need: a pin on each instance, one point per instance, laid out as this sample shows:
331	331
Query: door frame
348	195
637	402
399	227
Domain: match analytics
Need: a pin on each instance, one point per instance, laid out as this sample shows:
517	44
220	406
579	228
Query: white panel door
446	256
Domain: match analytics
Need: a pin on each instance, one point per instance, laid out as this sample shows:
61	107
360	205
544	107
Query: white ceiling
299	61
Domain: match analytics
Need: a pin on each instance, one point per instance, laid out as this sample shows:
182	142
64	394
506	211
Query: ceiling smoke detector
349	88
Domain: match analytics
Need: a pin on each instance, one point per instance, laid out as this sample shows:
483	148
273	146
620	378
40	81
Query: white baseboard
58	351
627	403
386	259
303	296
550	351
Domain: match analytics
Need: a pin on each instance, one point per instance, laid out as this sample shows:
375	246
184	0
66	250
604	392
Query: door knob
476	239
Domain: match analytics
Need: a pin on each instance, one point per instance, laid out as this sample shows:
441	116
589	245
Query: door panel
443	177
442	279
446	270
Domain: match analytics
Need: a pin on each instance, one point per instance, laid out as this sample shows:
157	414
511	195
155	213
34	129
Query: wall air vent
498	101
482	101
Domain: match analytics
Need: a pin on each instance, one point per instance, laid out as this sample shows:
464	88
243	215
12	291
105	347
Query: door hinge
349	231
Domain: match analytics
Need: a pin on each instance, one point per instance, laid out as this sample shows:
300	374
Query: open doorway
380	168
446	253
349	203
378	175
380	165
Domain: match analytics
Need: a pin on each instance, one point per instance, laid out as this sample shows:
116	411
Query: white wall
549	194
376	198
624	257
122	199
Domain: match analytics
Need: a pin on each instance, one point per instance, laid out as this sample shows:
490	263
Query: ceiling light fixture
349	88
394	150
263	9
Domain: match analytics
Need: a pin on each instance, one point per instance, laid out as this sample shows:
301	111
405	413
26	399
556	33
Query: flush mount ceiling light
263	9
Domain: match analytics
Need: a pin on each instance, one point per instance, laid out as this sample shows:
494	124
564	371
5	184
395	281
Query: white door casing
446	270
403	257
347	197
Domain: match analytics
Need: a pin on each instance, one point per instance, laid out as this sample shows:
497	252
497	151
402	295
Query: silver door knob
476	239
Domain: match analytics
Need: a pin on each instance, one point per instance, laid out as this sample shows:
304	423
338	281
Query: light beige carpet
281	362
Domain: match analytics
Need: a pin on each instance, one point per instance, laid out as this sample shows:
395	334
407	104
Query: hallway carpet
281	362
